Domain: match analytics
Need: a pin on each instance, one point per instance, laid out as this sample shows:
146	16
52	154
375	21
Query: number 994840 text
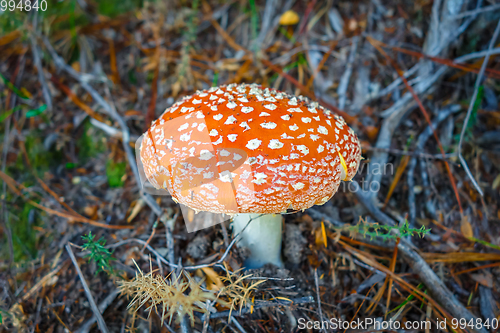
23	5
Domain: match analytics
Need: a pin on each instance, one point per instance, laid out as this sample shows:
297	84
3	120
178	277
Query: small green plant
408	299
12	87
115	172
90	143
473	116
98	253
113	8
190	33
11	20
22	219
23	234
184	75
374	230
254	19
215	80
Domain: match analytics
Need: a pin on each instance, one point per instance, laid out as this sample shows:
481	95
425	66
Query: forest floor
416	80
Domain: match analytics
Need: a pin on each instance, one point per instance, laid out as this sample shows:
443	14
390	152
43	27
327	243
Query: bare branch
90	298
479	80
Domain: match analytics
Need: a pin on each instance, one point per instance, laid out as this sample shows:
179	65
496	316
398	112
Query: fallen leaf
323	233
137	208
496	182
486	279
318	237
213	279
466	228
90	210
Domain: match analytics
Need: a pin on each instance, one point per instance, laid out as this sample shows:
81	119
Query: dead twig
479	80
226	252
83	80
40	284
261	304
147	246
37	315
65	89
12	184
170	262
102	307
348	118
10	103
90	298
458	64
271	5
421	141
427	118
475	12
237	324
110	130
41	77
399	152
318	297
436	287
438	38
444	42
344	80
169	224
150	115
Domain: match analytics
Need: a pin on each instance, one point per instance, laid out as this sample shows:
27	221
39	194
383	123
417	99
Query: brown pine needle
399	172
392	268
420	295
375	44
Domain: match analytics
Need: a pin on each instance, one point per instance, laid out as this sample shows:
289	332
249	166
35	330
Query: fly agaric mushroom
245	151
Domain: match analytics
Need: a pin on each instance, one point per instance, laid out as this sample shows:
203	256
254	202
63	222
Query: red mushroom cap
244	149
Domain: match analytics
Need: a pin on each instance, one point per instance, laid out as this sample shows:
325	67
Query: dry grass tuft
238	291
171	296
176	296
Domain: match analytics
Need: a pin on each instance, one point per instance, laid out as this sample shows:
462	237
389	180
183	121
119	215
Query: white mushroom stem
262	237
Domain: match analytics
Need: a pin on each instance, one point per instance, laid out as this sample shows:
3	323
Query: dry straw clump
181	297
237	290
170	295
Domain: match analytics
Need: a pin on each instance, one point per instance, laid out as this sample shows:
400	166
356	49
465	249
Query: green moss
254	19
113	8
115	172
24	238
40	159
11	20
76	17
90	142
70	165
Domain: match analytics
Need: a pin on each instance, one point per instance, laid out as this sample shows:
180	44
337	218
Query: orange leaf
323	233
466	228
213	279
397	177
11	36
